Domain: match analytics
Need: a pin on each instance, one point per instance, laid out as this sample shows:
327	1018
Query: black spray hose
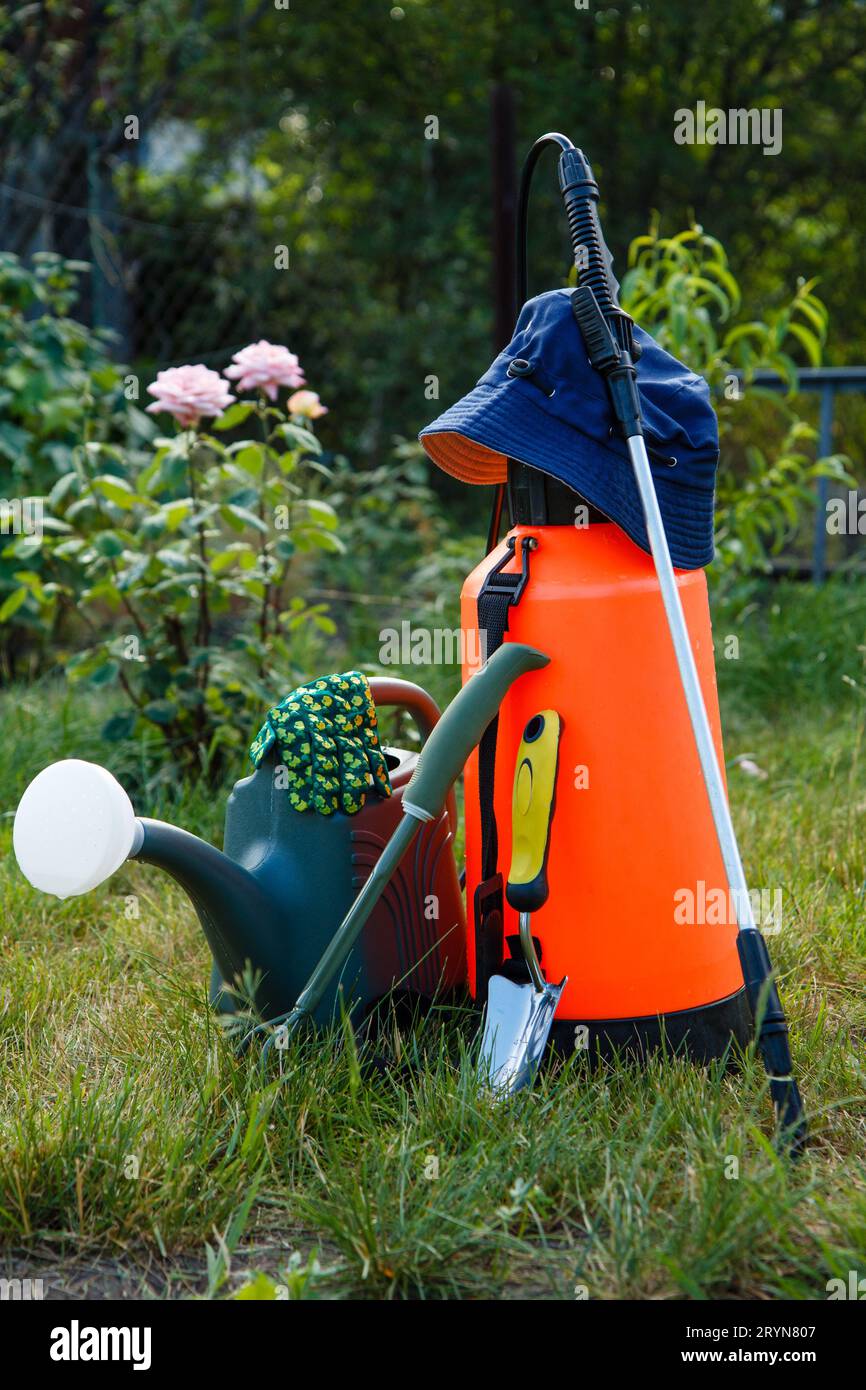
552	139
608	334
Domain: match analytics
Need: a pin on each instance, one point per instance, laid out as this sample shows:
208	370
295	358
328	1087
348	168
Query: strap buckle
495	582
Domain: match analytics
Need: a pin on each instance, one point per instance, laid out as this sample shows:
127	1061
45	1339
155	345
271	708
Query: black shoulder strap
498	593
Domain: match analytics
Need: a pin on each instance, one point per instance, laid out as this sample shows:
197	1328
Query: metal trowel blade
516	1028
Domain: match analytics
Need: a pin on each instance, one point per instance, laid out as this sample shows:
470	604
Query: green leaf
32	581
175	513
96	450
251	459
235	415
298	438
236	553
810	342
157	676
116	490
245	497
80	508
173	470
13	441
106	591
105	674
109	544
126	578
23	547
119	726
13	603
322	514
309	537
725	279
160	712
176	582
79	666
152	526
62	487
701	283
70	548
176	560
240	517
59	528
260	1288
814	311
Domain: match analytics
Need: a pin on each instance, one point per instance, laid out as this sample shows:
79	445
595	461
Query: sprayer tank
634	860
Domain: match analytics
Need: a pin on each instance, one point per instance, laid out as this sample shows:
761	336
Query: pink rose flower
188	393
306	403
264	366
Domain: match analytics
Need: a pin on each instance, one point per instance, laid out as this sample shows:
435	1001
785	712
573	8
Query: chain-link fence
169	286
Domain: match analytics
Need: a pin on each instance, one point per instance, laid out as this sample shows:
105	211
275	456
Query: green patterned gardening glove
327	739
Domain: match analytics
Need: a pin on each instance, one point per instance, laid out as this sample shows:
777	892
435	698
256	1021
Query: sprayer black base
702	1034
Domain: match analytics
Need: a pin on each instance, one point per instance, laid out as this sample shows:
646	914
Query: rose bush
178	562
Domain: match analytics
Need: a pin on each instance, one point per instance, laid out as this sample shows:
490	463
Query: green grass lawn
139	1153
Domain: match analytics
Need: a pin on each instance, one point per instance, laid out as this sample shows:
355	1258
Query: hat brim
474	439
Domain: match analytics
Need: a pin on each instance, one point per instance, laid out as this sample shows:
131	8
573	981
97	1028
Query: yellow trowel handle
532	811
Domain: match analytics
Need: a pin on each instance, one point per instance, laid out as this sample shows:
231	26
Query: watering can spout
225	895
75	827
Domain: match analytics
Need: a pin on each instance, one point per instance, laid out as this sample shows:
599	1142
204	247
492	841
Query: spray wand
608	333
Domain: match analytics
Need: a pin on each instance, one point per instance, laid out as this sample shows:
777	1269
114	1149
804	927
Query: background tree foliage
305	127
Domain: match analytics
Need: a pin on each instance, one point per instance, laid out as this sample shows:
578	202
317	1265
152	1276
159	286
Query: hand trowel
519	1015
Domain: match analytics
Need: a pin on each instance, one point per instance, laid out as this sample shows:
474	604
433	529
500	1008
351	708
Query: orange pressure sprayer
634	858
647	913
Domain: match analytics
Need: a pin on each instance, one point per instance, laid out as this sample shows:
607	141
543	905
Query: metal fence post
825	446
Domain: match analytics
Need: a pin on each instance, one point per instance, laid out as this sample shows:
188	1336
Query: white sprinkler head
73	828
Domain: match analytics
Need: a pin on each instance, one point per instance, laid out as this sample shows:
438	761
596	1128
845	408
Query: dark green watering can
271	901
270	904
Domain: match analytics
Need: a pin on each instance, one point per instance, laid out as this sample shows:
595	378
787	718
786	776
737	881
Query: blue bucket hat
543	404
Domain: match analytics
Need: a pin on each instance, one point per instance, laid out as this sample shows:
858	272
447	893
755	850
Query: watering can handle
391	692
